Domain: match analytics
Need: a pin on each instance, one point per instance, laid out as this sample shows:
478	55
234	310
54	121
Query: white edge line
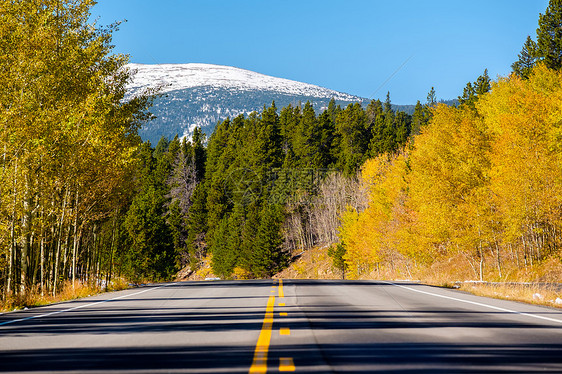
477	303
83	306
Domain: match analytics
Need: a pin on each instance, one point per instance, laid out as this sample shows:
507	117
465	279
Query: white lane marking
83	306
477	303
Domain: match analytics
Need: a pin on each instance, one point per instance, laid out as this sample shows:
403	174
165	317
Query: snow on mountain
173	77
203	94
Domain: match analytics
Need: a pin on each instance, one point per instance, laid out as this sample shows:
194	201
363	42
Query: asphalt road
271	326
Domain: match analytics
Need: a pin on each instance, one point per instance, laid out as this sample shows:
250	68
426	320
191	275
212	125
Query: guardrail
547	285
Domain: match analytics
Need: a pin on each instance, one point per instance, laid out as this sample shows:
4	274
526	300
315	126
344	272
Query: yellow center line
281	293
286	364
259	365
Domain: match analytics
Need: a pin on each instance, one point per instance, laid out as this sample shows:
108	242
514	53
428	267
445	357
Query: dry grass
204	271
316	264
532	294
311	264
445	272
448	273
69	291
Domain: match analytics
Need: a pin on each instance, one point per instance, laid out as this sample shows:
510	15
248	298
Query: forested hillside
276	181
477	195
467	191
84	200
202	95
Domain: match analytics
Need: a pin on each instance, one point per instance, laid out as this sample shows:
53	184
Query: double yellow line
259	365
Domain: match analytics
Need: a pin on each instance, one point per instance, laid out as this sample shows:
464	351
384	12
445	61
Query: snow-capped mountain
174	77
203	94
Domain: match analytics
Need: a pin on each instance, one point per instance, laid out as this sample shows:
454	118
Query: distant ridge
203	94
173	77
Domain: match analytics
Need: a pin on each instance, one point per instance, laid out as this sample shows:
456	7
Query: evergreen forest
471	190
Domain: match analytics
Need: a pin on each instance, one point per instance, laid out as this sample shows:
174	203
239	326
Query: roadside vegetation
449	193
67	143
529	293
67	291
480	188
478	193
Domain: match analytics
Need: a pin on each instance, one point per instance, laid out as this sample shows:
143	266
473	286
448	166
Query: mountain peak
204	94
173	77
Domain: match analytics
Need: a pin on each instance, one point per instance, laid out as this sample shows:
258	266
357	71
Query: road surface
272	326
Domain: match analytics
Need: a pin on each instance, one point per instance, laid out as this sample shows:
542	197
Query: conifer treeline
275	181
264	185
81	200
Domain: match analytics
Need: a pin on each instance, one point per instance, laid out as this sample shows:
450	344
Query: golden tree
66	134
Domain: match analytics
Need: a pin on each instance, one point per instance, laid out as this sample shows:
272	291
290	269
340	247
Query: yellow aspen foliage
67	137
359	249
524	117
371	236
449	166
481	184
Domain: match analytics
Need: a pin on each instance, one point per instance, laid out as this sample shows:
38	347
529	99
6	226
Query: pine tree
268	256
387	104
373	111
289	119
224	258
216	176
315	138
468	95
174	147
305	136
388	144
145	222
375	125
353	138
483	84
269	141
236	223
249	238
215	148
333	110
325	138
199	152
527	59
178	230
419	118
473	91
548	47
337	254
161	148
431	98
378	131
389	130
197	228
549	35
403	129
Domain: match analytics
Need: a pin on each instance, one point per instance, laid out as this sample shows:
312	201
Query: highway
271	326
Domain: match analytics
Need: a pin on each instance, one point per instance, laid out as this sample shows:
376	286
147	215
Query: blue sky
354	46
